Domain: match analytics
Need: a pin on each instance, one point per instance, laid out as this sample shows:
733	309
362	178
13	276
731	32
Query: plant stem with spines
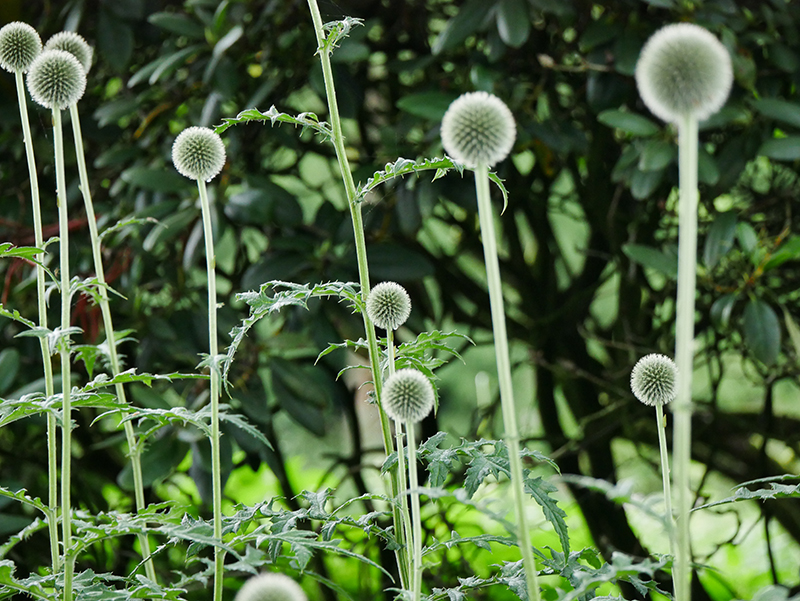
665	477
486	218
64	351
361	253
216	469
684	344
133	446
47	363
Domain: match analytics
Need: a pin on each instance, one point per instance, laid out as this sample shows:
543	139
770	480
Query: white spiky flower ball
653	379
684	70
73	43
407	396
19	46
270	587
56	79
478	129
388	305
198	153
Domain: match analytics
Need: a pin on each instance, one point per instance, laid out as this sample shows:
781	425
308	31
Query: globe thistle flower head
388	305
73	43
478	129
684	70
19	45
56	79
653	379
198	153
270	587
407	396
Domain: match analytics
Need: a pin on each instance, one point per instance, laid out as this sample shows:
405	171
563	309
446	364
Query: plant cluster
398	529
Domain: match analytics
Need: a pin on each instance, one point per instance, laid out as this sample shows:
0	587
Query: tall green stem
684	343
216	469
416	519
134	450
360	244
405	581
64	350
665	475
486	218
47	363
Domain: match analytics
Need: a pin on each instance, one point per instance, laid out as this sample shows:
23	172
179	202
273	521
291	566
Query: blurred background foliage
588	252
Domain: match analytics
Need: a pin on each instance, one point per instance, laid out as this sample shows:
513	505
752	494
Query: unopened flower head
56	79
270	587
407	396
19	45
684	70
653	379
198	153
74	44
388	305
478	129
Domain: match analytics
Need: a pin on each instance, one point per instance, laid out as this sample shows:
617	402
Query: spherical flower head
19	45
198	153
270	587
684	70
653	379
388	305
407	396
56	79
73	43
478	129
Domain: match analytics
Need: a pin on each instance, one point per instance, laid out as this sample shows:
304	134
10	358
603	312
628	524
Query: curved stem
360	244
47	363
684	344
216	469
64	351
134	451
486	218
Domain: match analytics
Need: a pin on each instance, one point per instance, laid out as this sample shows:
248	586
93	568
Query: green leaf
9	366
157	180
644	183
177	23
469	18
304	120
630	123
428	105
540	491
775	491
747	237
719	240
513	22
789	250
780	110
721	310
647	256
657	155
762	331
793	329
114	41
707	170
781	149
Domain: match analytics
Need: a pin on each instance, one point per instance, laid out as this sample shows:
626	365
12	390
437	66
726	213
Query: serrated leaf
304	120
540	491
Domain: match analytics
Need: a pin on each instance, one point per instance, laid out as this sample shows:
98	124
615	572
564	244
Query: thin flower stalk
134	449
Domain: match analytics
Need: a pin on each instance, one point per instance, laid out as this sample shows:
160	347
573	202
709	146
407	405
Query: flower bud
388	305
270	587
407	396
19	45
73	43
198	153
684	70
653	379
56	79
478	129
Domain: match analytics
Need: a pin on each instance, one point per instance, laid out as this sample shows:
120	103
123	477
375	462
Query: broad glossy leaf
513	22
9	366
780	110
631	123
648	256
656	155
747	237
707	170
158	180
762	331
722	308
782	149
177	23
719	240
428	105
793	329
788	251
464	24
644	183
